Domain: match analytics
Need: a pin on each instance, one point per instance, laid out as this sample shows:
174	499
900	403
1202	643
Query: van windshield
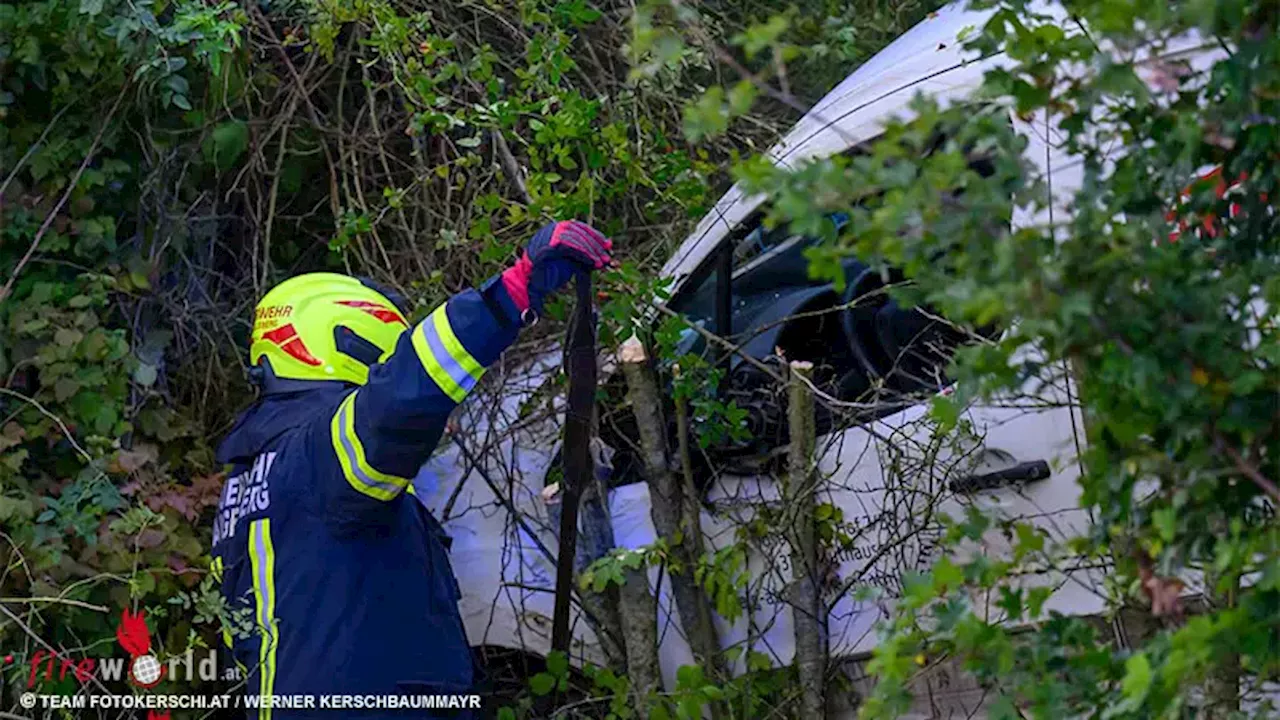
764	260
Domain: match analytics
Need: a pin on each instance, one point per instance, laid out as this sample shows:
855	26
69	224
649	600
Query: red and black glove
555	254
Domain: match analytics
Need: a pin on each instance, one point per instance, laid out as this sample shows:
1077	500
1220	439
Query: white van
888	474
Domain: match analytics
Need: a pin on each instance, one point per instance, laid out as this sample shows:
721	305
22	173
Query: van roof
852	113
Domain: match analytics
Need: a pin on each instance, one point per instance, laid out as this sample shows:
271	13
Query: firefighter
336	578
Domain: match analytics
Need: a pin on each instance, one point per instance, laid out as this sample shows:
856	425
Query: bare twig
66	195
56	601
41	641
782	95
274	193
34	146
509	165
1247	468
66	432
312	113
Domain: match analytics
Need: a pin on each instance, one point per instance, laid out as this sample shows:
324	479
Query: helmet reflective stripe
444	358
355	465
382	312
287	338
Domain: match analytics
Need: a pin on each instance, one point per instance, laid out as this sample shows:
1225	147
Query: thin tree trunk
798	501
691	521
1224	680
672	517
639	612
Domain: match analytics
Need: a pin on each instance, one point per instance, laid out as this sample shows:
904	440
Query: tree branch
66	195
1247	468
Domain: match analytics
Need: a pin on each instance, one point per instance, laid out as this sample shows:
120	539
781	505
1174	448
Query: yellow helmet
322	326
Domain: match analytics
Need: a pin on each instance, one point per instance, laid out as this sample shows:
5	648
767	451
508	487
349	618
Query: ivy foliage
102	479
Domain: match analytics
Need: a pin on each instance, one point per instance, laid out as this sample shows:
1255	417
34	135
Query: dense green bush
103	479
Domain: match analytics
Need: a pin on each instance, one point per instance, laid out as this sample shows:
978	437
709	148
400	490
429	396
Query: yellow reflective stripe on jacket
262	558
444	358
355	466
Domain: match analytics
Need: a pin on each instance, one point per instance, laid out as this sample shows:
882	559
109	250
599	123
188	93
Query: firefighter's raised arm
383	431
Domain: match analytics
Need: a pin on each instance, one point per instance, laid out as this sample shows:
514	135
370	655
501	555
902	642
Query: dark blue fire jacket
337	578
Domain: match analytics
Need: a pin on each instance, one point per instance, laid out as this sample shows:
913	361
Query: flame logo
144	669
153	715
133	634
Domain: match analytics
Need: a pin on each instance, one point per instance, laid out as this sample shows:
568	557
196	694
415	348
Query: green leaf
707	117
689	676
470	142
145	375
542	684
758	661
143	584
1248	382
946	575
34	326
91	7
557	663
742	96
65	388
1165	521
1036	598
177	83
1029	540
1137	678
759	36
1011	602
13	507
1003	709
226	143
105	419
67	337
945	411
